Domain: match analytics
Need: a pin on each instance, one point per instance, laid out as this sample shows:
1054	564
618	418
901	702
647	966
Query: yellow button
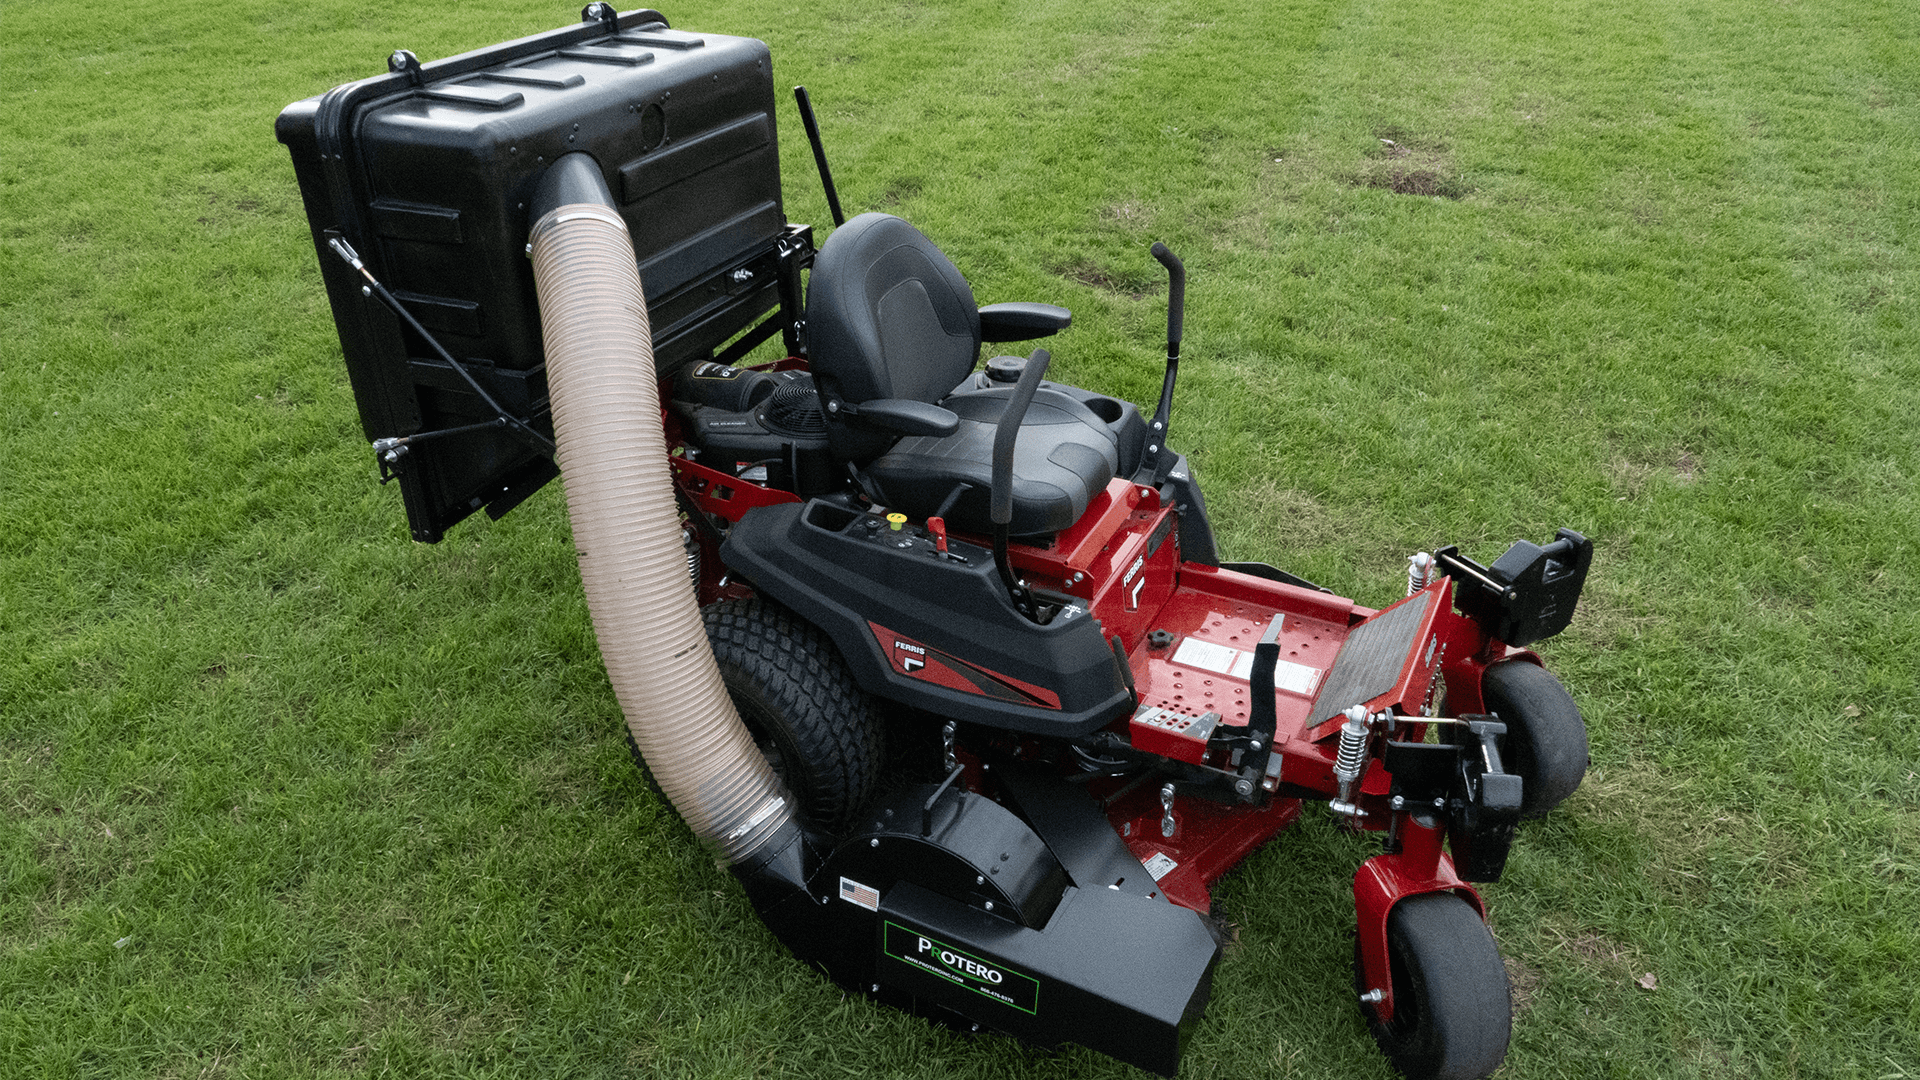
896	520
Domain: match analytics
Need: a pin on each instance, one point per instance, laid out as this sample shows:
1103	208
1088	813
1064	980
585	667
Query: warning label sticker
983	977
1160	866
1206	655
1236	664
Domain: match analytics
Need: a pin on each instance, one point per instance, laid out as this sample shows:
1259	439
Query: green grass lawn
283	794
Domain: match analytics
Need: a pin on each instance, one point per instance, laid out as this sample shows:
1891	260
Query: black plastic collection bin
427	172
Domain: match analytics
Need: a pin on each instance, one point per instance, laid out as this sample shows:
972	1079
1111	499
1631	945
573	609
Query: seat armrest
1022	321
903	416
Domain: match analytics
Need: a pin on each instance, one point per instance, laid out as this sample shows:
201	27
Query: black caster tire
816	727
1452	1013
1546	741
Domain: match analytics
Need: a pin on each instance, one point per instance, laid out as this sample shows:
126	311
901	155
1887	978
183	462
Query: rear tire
1546	741
1452	1013
816	727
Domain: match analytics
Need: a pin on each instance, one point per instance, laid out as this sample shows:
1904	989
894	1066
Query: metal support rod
926	812
375	289
819	153
400	442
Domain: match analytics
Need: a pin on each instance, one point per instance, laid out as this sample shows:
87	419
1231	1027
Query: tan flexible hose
626	525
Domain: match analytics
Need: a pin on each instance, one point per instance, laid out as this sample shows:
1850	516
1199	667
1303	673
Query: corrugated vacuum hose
626	523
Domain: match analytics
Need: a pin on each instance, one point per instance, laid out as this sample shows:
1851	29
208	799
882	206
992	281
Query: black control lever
1176	317
1000	499
1263	715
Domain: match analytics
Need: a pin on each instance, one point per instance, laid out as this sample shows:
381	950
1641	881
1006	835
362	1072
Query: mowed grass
283	794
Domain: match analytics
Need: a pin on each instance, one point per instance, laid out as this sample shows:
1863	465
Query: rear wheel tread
784	672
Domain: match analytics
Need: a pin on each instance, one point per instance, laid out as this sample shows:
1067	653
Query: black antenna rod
819	153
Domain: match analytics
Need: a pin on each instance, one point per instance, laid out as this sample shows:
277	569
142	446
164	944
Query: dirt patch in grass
902	189
1409	164
1598	954
1292	520
1629	474
1609	617
1524	983
1685	853
1132	285
1868	300
410	738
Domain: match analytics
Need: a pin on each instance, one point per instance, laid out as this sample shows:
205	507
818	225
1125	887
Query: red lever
938	527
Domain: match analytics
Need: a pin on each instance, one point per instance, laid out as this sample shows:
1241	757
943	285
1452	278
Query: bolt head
875	842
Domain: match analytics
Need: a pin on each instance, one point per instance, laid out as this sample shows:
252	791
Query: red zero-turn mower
984	715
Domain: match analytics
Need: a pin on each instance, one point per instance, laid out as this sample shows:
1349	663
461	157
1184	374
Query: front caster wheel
1452	1016
1546	742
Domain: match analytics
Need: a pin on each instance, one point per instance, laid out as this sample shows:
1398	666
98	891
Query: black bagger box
427	171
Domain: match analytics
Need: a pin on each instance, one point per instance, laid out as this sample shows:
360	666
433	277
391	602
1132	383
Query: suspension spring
692	545
1351	763
1419	571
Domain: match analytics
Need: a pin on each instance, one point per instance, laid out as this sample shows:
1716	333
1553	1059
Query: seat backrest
888	316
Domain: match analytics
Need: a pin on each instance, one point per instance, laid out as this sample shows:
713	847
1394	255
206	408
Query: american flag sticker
865	896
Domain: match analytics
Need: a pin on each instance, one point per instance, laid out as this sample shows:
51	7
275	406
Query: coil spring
1353	751
692	545
1419	572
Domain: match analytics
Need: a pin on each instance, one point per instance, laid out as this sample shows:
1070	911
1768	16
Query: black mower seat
890	319
1064	457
